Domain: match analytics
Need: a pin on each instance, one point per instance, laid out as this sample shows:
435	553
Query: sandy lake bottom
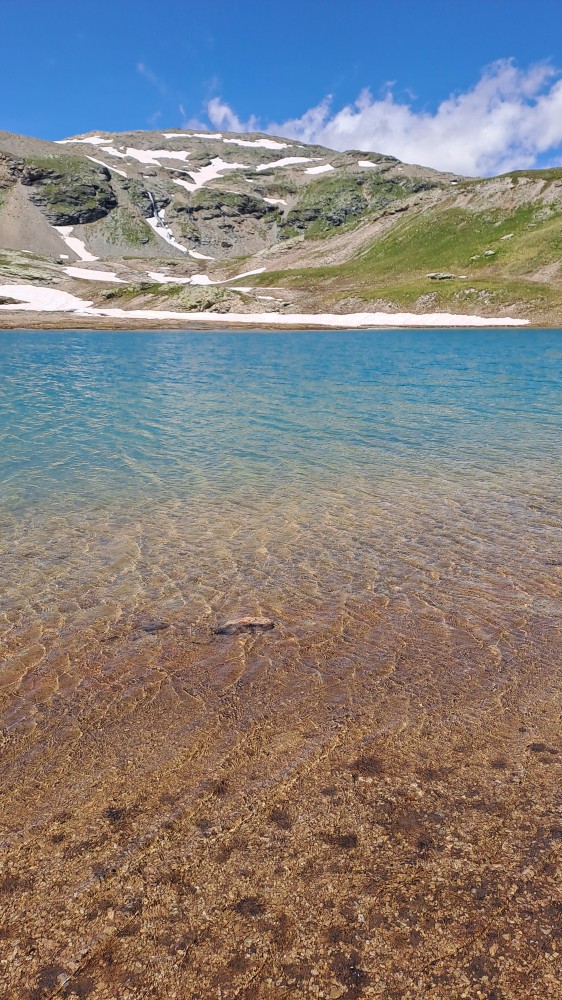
363	801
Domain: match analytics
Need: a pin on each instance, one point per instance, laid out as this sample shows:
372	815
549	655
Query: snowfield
35	299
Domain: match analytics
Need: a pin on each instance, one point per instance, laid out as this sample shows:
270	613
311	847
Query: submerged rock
154	626
246	624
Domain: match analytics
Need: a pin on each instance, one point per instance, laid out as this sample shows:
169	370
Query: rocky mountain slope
185	221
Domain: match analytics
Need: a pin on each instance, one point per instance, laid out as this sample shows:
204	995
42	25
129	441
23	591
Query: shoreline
33	322
30	300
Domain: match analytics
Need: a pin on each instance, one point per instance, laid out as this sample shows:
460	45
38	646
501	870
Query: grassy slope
395	267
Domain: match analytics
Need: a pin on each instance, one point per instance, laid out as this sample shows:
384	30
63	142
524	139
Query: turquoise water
190	476
149	417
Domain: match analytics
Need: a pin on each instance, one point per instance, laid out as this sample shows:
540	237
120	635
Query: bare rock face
69	190
8	173
246	624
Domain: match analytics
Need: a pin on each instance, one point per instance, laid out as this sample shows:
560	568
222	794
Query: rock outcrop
69	190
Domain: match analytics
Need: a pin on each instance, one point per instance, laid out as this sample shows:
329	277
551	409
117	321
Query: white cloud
506	121
223	117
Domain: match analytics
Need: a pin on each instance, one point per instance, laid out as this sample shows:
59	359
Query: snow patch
261	143
167	279
74	243
286	161
151	157
199	279
94	140
245	274
199	256
202	279
36	299
115	170
114	152
208	173
366	163
275	201
324	169
87	275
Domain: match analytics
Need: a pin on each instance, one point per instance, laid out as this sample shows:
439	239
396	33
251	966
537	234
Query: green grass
446	240
548	174
62	164
124	227
395	266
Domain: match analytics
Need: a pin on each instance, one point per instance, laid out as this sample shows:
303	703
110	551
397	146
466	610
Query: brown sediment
363	803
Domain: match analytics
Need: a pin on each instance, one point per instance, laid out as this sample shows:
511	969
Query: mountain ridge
339	232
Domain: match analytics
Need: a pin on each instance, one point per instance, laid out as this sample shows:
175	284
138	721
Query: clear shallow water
186	477
390	750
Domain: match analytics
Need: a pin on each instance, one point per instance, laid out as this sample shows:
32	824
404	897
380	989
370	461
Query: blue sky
474	86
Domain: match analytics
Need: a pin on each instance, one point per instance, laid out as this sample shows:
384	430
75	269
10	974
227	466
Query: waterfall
155	215
156	222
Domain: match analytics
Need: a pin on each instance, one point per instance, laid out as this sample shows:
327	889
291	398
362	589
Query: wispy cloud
508	120
148	74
